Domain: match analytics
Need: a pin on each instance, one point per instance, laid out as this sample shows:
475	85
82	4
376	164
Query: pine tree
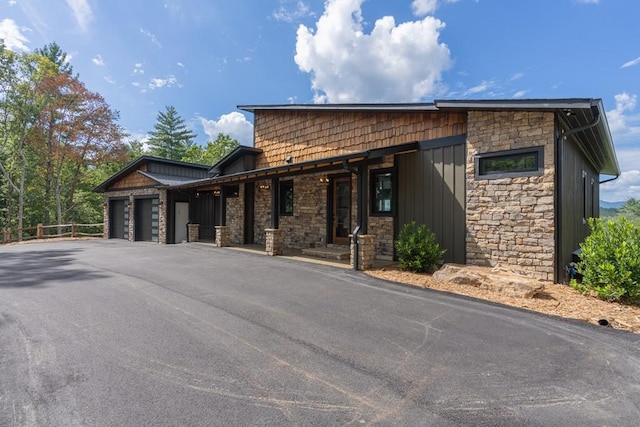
170	138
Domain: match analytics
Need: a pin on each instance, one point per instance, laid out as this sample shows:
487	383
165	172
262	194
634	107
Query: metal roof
135	164
576	113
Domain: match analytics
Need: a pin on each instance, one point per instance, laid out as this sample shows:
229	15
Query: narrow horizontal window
521	162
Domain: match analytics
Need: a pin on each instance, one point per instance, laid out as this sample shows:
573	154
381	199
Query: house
508	182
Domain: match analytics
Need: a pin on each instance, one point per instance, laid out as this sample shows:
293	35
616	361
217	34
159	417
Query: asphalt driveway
120	333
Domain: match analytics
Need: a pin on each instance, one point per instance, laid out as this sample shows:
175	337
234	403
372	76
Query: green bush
610	261
417	249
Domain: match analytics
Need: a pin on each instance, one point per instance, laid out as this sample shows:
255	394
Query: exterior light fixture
324	180
288	160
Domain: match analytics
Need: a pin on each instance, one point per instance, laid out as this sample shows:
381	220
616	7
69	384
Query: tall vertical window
382	192
286	198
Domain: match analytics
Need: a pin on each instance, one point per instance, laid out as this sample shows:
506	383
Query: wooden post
6	235
40	232
74	229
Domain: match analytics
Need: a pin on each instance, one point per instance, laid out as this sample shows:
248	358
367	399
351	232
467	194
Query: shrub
417	249
610	261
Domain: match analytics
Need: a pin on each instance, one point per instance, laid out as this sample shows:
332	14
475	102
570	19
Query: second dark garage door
146	219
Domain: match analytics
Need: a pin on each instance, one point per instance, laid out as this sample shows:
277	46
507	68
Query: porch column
274	241
363	192
194	232
364	252
275	212
223	236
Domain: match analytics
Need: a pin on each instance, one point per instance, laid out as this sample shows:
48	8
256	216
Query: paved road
120	333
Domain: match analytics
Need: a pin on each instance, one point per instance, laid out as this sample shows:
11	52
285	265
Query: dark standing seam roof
596	142
135	164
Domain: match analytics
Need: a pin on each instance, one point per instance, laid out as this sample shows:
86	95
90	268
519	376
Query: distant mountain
611	205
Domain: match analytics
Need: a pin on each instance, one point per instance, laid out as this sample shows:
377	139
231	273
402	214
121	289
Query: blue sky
207	56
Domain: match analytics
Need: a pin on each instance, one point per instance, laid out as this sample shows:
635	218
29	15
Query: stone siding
313	135
235	217
510	221
132	194
262	213
307	227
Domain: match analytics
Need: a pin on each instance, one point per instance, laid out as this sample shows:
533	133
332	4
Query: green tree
170	138
631	210
213	152
57	56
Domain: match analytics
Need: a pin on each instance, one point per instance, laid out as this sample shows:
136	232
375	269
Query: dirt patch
555	299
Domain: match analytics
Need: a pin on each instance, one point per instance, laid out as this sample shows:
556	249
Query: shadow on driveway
38	268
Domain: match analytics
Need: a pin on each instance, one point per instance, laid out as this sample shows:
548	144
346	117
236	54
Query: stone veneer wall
307	227
132	194
510	221
235	217
262	213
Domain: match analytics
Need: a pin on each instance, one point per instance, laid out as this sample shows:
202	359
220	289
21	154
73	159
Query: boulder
499	279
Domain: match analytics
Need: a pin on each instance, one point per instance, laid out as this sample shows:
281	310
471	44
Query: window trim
283	187
372	194
539	170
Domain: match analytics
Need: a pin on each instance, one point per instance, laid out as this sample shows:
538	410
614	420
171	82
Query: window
502	164
382	192
286	198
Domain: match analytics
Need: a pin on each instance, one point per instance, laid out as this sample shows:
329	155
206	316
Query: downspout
589	125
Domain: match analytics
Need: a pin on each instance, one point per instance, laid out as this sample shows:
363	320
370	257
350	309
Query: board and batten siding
578	201
431	191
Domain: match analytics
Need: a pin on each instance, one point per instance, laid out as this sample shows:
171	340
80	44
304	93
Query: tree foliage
213	152
56	138
170	138
609	261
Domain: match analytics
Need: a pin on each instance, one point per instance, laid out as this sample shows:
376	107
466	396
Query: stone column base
366	252
274	241
193	232
223	236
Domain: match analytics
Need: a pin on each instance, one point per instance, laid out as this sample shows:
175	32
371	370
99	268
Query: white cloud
137	69
180	64
424	7
623	188
98	60
151	37
517	76
520	93
482	87
631	63
622	121
393	63
288	13
12	35
170	81
109	80
81	12
12	2
233	124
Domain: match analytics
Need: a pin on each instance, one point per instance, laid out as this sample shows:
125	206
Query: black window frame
284	208
482	158
374	210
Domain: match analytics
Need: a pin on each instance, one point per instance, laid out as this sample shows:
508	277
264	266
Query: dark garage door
146	220
118	219
431	191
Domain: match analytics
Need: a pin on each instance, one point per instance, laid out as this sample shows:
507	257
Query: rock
501	280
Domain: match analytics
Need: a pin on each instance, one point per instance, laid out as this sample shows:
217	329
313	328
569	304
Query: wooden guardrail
41	232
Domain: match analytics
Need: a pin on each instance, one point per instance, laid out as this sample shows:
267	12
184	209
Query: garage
118	219
146	219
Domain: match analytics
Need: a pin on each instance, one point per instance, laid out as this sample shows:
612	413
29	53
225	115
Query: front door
341	215
181	221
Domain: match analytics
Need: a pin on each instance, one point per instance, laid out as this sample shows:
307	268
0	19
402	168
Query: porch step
336	252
